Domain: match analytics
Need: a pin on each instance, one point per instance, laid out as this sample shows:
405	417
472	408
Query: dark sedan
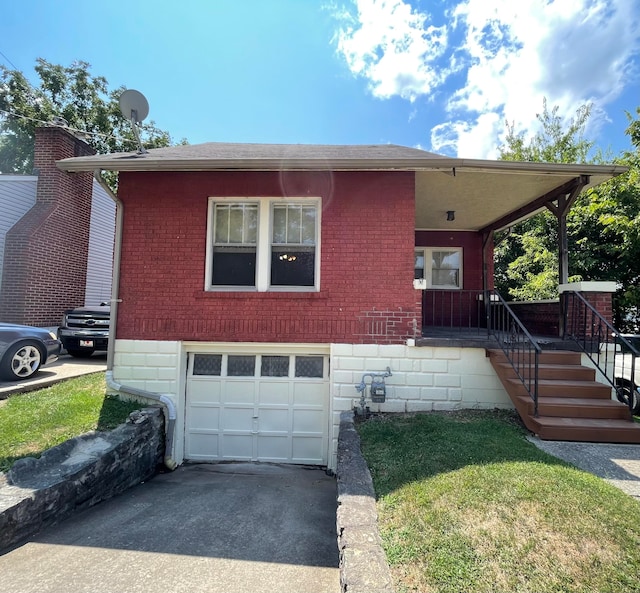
24	350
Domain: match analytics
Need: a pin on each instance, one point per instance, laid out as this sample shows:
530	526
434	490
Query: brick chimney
45	258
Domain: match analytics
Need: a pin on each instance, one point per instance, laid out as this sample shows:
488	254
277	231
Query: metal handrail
595	336
518	345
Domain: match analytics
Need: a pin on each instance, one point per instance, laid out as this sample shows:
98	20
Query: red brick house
56	236
258	283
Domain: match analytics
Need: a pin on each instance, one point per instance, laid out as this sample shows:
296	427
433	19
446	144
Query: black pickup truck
85	330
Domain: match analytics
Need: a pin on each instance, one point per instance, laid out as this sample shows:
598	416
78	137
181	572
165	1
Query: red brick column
597	294
45	260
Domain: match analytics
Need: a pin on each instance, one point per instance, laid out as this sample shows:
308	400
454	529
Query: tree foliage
72	93
603	225
526	261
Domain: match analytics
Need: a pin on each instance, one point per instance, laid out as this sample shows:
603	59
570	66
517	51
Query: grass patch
466	503
32	422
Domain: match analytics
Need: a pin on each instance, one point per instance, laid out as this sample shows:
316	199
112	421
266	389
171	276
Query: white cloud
394	47
513	55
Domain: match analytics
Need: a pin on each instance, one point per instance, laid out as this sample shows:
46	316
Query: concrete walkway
617	464
64	368
230	528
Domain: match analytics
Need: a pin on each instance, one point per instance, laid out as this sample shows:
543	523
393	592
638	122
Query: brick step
551	371
558	388
587	430
574	407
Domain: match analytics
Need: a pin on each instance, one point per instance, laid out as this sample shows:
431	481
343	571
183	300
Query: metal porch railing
613	355
518	345
486	313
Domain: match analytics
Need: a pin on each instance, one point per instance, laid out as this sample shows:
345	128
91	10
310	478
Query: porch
570	381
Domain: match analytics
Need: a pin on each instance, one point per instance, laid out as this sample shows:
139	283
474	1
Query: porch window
441	268
263	244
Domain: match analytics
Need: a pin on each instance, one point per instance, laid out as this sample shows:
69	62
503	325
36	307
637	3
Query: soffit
481	197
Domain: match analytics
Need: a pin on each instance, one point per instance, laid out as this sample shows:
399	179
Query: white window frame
428	270
263	246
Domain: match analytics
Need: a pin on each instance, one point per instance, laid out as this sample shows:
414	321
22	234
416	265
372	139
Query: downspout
166	402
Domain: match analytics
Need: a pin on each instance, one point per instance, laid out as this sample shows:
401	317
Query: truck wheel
627	390
84	353
21	361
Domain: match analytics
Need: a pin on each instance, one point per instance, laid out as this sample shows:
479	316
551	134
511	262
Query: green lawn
466	503
33	422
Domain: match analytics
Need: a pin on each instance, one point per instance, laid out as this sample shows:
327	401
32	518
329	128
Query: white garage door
257	407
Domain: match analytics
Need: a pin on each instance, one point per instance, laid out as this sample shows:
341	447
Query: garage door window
207	364
309	366
275	366
241	366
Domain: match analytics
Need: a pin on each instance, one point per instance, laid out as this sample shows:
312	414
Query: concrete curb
363	563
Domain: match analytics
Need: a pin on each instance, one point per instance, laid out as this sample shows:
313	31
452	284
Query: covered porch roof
485	195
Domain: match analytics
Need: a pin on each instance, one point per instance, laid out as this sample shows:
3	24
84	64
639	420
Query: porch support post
564	203
487	241
561	209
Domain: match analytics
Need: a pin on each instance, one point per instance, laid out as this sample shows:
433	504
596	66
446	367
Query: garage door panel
205	417
201	391
237	419
307	393
308	449
239	392
274	420
274	448
274	392
202	445
307	420
237	447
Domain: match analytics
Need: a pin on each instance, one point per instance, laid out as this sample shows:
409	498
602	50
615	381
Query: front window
441	268
235	244
263	244
293	245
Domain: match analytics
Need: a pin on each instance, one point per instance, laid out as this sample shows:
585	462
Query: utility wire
41	121
8	60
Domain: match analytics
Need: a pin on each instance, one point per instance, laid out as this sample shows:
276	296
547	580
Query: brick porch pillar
597	294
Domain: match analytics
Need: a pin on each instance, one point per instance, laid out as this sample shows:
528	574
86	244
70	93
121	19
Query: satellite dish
135	108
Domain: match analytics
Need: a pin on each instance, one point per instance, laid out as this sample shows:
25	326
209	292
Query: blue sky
442	75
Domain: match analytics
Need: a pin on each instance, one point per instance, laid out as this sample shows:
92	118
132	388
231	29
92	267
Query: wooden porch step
575	407
572	405
558	388
563	357
587	430
555	371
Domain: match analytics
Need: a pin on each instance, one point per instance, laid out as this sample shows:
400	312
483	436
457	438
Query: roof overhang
485	195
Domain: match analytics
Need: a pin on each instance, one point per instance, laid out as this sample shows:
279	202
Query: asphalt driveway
203	528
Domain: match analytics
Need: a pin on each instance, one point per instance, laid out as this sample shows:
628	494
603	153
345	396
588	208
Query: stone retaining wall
363	563
79	473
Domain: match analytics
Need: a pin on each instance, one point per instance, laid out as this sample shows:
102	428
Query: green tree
603	225
526	260
72	93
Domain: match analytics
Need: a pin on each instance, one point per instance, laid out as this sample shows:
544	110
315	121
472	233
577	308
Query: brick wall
541	318
366	276
45	261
